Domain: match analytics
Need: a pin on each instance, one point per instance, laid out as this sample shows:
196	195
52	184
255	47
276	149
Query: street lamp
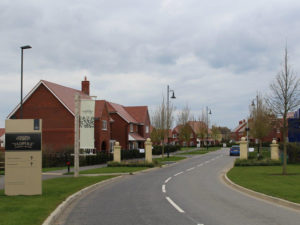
22	49
173	97
207	112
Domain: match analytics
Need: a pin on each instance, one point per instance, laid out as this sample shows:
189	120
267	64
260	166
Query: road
189	192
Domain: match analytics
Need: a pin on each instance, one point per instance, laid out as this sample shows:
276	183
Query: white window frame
104	122
131	128
147	129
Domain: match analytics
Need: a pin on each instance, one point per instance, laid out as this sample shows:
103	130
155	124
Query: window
131	127
104	125
147	129
174	135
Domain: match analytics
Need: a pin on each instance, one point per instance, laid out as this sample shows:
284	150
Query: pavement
188	192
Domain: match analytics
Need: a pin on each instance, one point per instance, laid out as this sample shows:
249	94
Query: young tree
285	97
225	131
162	121
185	130
261	119
216	134
202	127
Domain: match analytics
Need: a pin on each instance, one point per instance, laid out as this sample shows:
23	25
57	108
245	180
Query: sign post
23	157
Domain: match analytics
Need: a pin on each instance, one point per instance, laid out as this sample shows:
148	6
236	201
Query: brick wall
58	122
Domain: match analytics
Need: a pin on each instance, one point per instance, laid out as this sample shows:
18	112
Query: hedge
157	149
254	162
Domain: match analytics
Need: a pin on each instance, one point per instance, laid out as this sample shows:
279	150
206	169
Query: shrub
293	152
254	162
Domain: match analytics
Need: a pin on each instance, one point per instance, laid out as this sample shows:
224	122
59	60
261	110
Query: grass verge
113	170
268	180
201	151
170	159
31	210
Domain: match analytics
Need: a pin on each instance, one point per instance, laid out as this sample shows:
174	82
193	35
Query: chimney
240	122
85	86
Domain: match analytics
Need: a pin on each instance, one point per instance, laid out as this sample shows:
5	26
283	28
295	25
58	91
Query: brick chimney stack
85	86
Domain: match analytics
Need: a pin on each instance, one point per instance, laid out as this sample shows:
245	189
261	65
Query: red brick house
275	132
175	138
54	104
130	126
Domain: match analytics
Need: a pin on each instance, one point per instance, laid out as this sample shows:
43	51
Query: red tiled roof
122	112
136	137
196	125
139	113
99	106
65	94
2	131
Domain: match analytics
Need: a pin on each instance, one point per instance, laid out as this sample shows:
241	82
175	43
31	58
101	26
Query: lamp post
207	125
173	97
22	49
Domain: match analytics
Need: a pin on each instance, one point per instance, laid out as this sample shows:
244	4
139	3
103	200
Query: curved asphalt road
189	192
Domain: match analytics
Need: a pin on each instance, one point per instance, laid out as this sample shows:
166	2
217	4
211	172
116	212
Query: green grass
268	180
170	159
186	148
201	151
113	170
33	210
1	172
55	168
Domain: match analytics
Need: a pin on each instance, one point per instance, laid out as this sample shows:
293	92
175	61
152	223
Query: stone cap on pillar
117	143
148	141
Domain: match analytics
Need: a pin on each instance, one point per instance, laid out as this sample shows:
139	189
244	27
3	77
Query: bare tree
185	129
162	121
202	127
261	119
285	97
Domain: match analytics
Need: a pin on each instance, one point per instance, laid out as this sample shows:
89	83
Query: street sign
23	157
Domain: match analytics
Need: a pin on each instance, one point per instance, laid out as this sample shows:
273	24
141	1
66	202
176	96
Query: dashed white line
190	169
174	205
200	165
163	188
167	180
178	173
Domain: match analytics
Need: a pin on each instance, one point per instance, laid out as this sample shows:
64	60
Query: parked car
234	150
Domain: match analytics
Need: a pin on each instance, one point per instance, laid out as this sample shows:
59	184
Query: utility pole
76	135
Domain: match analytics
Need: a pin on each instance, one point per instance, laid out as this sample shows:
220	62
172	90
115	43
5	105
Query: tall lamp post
207	125
21	108
168	97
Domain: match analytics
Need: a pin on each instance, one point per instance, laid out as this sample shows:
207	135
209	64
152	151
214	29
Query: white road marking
190	169
163	188
200	165
178	174
174	205
213	159
167	180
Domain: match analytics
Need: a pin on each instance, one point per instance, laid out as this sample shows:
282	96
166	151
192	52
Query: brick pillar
148	150
117	152
243	148
274	150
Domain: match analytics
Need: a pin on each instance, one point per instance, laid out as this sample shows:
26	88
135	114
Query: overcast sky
211	53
